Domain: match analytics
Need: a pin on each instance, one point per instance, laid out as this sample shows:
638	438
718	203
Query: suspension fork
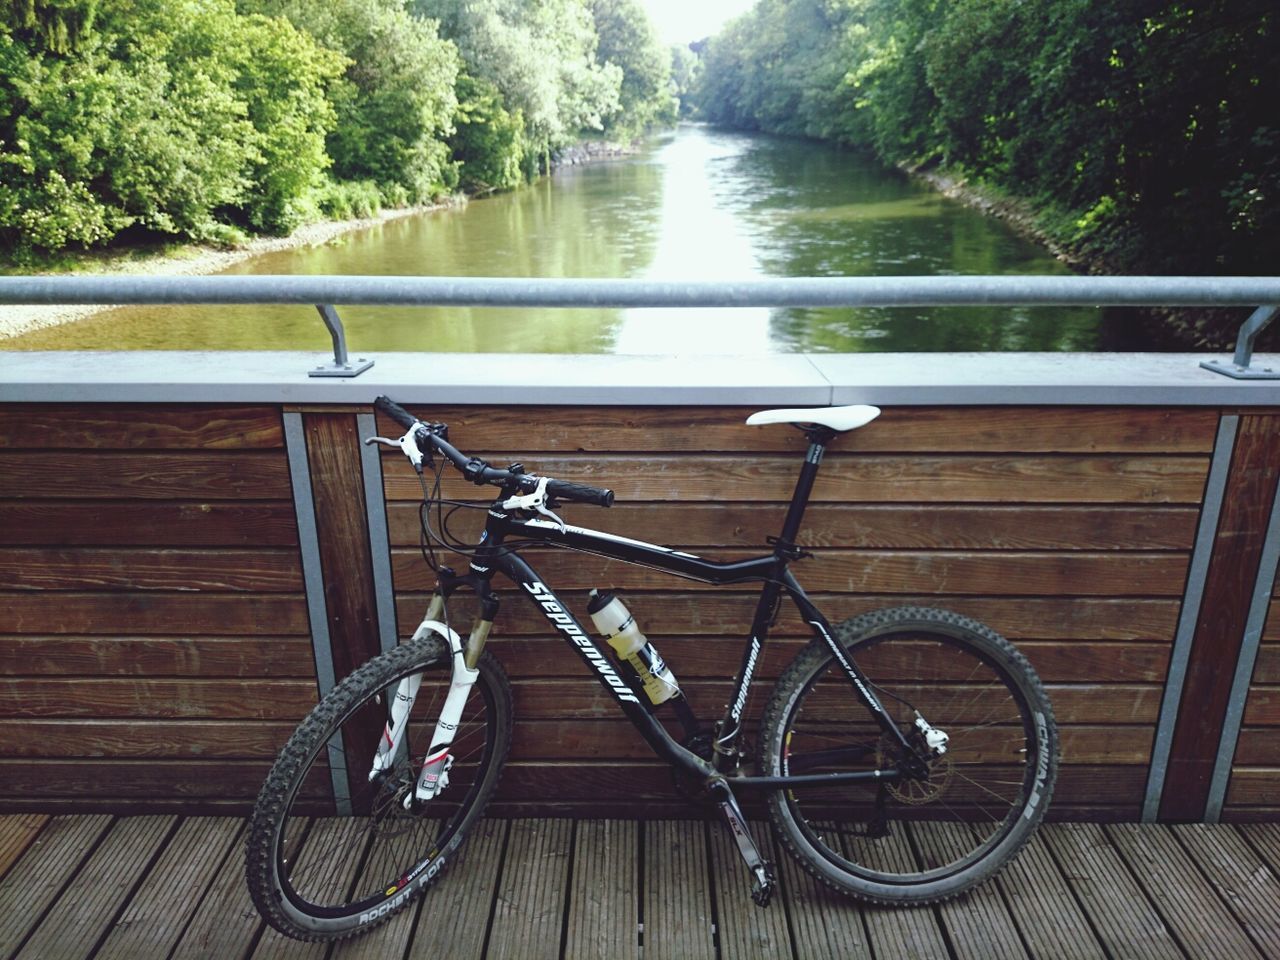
433	777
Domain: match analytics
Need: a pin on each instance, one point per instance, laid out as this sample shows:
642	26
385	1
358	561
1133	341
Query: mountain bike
903	757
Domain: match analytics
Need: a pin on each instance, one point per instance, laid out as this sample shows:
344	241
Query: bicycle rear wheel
913	840
331	852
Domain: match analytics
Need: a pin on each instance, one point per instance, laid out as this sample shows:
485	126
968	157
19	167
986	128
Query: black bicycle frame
492	555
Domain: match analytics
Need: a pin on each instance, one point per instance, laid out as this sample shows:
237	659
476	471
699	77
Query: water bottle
615	622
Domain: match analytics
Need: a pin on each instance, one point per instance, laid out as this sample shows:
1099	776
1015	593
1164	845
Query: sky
682	21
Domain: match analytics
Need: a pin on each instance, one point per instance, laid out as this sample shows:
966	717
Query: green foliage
59	25
685	67
488	142
349	199
563	67
1144	130
395	102
628	41
167	117
202	119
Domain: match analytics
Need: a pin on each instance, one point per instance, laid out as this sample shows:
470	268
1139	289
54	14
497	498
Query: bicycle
906	755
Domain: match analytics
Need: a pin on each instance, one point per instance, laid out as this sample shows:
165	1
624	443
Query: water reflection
697	204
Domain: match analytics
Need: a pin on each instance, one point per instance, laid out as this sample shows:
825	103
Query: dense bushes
1144	131
205	118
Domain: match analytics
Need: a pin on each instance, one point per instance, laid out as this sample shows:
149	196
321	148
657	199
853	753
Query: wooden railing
162	634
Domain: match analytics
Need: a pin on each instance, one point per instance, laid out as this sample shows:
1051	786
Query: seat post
819	437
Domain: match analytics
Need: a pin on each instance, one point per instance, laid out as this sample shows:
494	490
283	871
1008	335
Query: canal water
694	204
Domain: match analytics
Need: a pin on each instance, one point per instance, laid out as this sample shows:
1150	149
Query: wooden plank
112	780
879	571
1233	565
870	479
610	739
390	939
1267	667
275	657
17	831
254	571
677	911
1052	924
1115	703
1265	839
337	485
914	429
149	698
604	898
155	916
701	657
1257	747
1199	920
1249	888
528	917
1252	786
325	879
456	911
130	614
86	908
745	931
1120	914
151	523
906	933
978	924
78	426
717	614
224	921
824	925
247	475
1263	706
744	526
143	739
39	876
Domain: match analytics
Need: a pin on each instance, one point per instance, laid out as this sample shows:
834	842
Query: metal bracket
341	366
1239	368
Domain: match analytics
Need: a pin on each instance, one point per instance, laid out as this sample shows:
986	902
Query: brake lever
408	445
536	501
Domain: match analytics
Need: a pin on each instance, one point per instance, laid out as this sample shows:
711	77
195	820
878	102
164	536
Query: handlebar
480	472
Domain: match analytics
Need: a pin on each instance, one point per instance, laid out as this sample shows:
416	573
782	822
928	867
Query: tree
394	104
628	41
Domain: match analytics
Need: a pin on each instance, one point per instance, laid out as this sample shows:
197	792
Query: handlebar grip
579	492
396	412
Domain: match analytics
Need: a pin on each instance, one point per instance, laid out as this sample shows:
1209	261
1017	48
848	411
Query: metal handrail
323	291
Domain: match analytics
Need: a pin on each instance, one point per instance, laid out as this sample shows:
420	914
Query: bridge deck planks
93	887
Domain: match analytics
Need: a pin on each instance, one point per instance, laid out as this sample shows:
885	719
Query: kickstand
763	880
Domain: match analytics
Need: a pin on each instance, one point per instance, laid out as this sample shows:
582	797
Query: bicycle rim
982	797
347	851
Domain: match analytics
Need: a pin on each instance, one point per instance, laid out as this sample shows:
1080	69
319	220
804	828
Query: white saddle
837	418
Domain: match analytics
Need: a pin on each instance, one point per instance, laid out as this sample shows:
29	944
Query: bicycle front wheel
332	848
923	838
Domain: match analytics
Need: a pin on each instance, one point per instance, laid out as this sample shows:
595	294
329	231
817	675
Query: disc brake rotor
910	790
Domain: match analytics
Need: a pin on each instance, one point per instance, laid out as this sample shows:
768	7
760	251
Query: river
695	203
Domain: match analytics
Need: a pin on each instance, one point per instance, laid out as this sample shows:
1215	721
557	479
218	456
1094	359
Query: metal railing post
1239	367
341	366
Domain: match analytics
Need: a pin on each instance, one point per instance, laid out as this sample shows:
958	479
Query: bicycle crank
763	881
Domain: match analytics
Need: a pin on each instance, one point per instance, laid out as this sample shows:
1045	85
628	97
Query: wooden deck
171	887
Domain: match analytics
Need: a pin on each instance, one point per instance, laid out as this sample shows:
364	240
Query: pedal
763	884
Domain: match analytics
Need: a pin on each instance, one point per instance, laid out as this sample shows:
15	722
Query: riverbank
191	260
1170	327
1021	215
